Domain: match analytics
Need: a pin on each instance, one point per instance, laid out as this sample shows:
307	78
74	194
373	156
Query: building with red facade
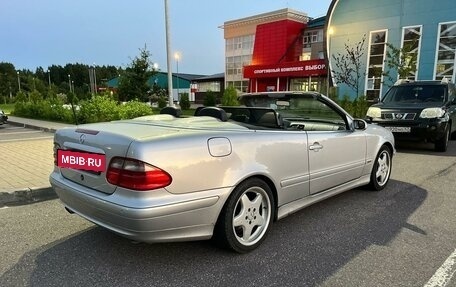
276	51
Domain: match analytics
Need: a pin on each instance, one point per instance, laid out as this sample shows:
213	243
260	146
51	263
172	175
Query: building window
305	56
238	54
446	49
240	43
235	64
209	86
307	84
240	86
375	60
312	37
411	41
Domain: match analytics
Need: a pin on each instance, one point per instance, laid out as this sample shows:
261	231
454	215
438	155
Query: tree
35	96
401	62
79	76
133	82
349	67
229	97
209	99
8	79
184	102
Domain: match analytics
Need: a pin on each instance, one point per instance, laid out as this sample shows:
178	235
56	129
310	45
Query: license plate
399	129
81	160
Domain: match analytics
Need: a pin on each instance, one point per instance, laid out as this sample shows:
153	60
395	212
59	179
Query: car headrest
269	119
197	110
214	112
171	111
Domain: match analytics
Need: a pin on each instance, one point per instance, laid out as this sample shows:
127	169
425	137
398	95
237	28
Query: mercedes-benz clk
226	173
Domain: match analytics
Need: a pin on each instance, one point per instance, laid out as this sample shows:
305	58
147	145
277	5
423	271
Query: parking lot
402	236
26	157
12	133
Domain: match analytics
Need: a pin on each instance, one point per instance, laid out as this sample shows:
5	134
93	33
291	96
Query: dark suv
418	110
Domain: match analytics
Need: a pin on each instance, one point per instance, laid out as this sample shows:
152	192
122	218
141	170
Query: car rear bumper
172	217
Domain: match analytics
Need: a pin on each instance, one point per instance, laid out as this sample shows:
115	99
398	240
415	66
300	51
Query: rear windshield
415	94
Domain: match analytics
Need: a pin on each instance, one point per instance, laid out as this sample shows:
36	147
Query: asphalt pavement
26	160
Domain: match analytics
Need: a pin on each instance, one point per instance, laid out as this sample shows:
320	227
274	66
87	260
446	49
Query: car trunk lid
108	139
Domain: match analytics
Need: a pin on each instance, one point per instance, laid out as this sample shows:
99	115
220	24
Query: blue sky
45	32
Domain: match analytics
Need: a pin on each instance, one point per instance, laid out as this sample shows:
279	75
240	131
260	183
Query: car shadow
303	249
424	148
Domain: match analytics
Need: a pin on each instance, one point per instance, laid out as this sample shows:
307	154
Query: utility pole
49	77
18	81
168	57
177	57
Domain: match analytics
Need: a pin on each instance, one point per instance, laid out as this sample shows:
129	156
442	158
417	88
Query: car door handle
316	146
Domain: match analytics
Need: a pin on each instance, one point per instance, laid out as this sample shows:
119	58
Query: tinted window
415	94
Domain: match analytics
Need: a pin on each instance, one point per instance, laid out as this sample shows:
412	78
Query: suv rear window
415	94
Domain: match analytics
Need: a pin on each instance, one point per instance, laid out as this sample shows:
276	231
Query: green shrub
134	109
360	107
7	108
230	97
162	102
357	108
20	97
184	102
35	96
209	99
44	109
98	109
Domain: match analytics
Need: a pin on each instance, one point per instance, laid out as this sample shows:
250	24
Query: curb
35	127
26	196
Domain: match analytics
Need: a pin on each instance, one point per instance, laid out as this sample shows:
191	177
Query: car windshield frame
299	107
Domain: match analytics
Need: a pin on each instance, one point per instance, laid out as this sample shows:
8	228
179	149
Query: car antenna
71	98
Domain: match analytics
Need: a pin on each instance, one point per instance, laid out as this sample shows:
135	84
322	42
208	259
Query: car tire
381	171
246	217
441	145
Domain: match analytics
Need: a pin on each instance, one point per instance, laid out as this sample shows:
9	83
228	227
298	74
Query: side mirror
359	124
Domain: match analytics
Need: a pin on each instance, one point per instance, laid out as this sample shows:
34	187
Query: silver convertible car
226	173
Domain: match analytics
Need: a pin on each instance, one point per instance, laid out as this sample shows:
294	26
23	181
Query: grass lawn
7	108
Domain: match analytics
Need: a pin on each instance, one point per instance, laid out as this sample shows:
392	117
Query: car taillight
136	175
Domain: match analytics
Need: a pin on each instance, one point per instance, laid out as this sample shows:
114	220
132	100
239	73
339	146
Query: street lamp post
18	81
49	78
168	56
329	32
69	81
177	57
95	78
